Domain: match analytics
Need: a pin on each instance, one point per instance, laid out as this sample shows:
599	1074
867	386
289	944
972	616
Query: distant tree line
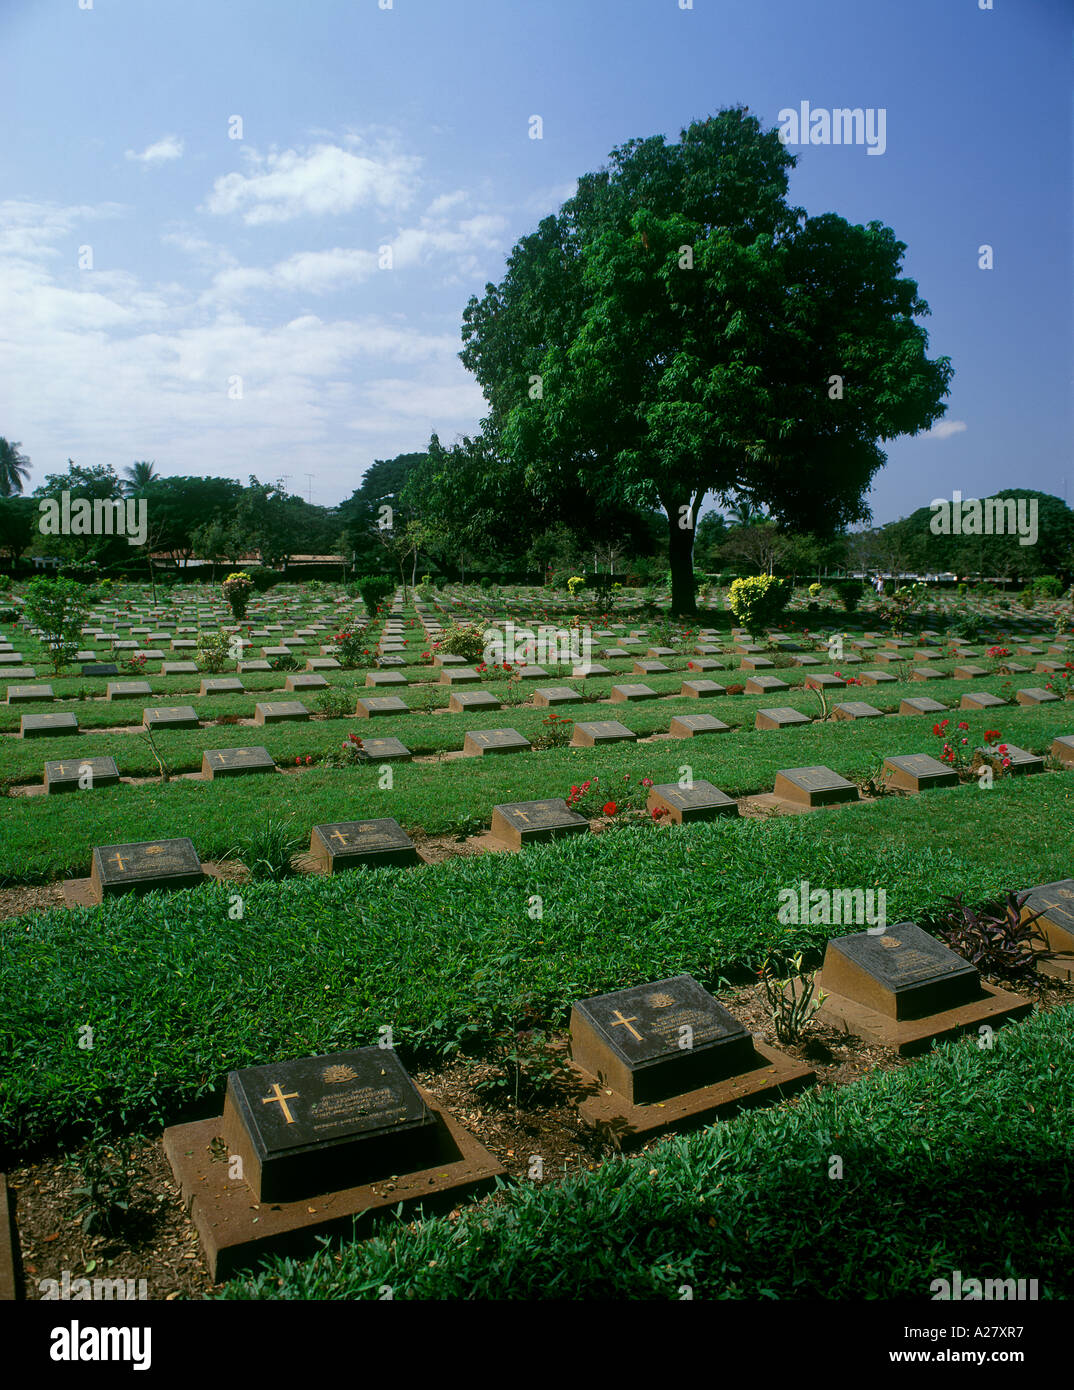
461	512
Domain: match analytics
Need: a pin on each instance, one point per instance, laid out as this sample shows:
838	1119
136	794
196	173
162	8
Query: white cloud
944	429
326	180
27	230
168	147
107	366
310	272
392	404
322	272
446	202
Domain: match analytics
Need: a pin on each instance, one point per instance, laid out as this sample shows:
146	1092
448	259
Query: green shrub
757	601
1048	586
267	851
850	592
465	640
335	704
265	578
374	590
58	607
354	651
213	651
237	587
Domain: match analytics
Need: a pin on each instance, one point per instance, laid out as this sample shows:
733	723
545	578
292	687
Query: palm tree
138	477
743	514
14	467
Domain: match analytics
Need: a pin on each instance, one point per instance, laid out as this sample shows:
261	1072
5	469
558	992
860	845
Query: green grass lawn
179	993
48	836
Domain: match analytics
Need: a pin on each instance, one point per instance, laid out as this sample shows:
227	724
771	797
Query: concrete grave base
8	1290
915	1035
236	1232
628	1126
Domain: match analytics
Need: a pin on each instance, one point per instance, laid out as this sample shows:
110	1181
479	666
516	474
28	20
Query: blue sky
222	265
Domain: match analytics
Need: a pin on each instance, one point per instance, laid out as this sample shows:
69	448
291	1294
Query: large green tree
679	329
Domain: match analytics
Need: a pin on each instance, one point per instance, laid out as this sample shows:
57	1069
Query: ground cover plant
179	991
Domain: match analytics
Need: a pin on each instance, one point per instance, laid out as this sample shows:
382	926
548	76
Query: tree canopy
679	329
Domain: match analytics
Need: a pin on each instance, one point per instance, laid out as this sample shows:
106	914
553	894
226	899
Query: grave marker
1063	749
764	685
312	1126
919	772
629	1040
349	1131
463	701
702	801
350	844
278	711
27	694
171	717
593	733
694	725
481	741
980	699
547	695
47	725
856	709
702	690
903	988
80	774
621	694
303	681
386	750
1055	903
813	786
781	717
127	690
1021	762
235	762
1035	695
921	704
520	822
142	866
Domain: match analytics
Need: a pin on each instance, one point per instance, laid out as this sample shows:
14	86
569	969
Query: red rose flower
610	808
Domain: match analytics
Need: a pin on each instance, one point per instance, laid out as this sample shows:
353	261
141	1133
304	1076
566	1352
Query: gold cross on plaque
281	1100
336	835
626	1022
117	859
60	769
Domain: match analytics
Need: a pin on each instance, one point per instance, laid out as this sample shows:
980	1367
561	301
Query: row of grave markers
377	841
314	1142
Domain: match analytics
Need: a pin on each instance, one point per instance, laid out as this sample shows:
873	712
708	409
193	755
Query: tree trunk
681	562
